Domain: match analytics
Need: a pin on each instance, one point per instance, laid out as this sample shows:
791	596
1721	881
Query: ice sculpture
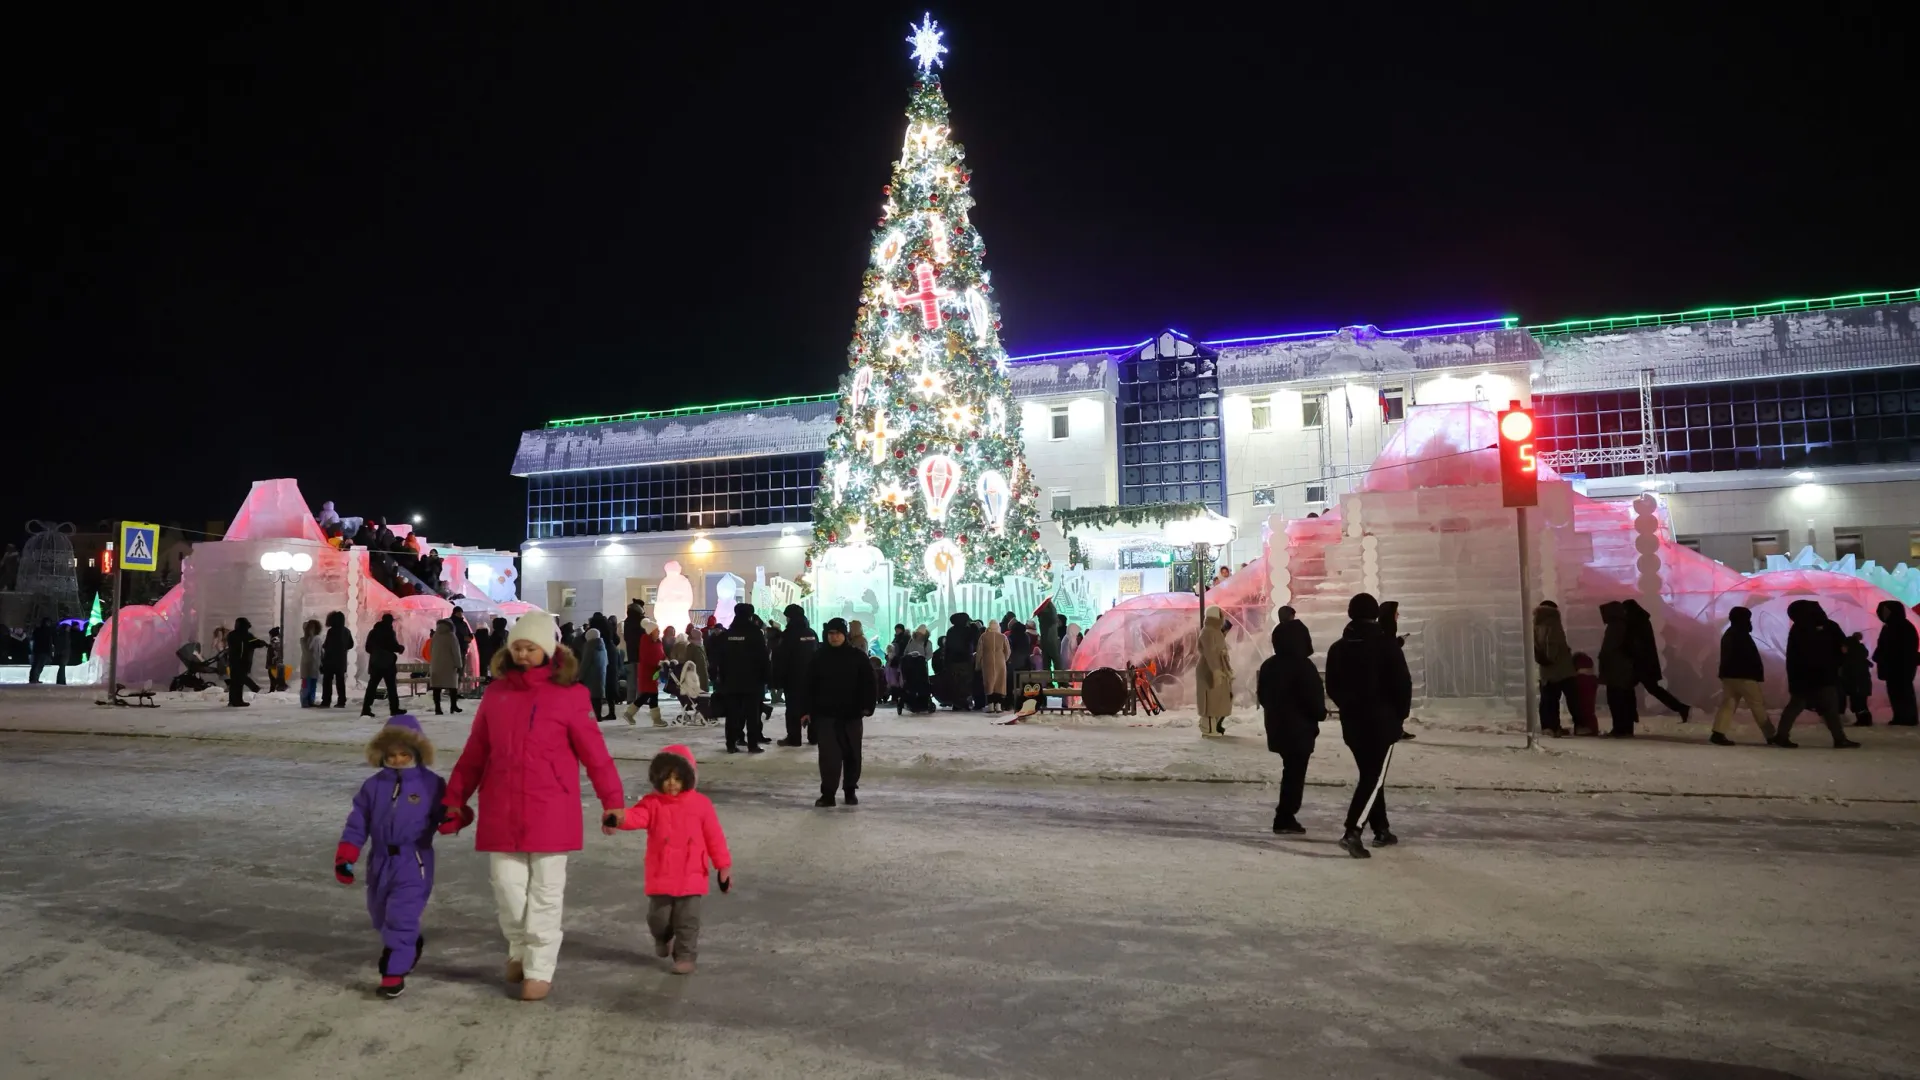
673	605
1426	528
223	581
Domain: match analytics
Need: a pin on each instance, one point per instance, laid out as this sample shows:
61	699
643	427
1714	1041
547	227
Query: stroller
916	692
190	679
682	680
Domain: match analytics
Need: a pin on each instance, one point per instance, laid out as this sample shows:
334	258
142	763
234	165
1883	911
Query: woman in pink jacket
532	732
683	836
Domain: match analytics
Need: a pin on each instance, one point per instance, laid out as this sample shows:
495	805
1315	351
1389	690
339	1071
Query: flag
1384	415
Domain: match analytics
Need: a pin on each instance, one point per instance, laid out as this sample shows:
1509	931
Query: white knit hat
536	627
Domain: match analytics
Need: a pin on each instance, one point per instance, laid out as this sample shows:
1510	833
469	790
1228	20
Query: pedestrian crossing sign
139	546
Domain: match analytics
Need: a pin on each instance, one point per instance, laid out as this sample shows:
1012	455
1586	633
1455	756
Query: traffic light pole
1531	683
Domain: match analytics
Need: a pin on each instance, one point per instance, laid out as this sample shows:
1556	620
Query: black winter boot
1355	845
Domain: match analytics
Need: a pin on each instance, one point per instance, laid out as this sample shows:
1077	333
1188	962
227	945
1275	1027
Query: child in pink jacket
683	836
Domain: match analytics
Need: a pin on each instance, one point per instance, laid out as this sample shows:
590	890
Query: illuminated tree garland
929	378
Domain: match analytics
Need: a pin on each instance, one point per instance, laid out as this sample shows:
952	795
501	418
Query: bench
413	675
1060	684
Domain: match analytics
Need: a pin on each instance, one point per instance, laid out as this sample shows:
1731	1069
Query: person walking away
310	660
1555	657
792	655
617	667
1390	625
1213	677
1856	679
40	648
738	654
683	838
1645	651
990	657
840	696
1815	649
1586	688
1367	679
335	647
444	664
593	671
62	650
394	818
1293	703
953	672
276	661
383	665
1616	671
1019	653
1742	677
1896	657
241	645
1069	643
531	735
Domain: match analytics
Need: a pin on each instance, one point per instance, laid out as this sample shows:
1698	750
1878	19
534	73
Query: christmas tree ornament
995	496
858	390
939	481
946	565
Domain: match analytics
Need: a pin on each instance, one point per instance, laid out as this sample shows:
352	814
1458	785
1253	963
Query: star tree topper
926	43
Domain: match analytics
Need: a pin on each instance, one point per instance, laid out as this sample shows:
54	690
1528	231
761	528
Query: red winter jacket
647	663
530	736
683	835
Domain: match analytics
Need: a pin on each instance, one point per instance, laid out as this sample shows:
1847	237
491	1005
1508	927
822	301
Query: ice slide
1426	528
223	581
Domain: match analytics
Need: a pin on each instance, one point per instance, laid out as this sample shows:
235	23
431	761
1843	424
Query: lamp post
284	568
1203	532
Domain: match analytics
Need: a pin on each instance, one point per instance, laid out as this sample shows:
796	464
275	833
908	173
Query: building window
1691	543
768	490
1059	413
1317	493
1062	499
1313	411
1393	404
1766	546
1262	409
1263	496
1170	432
1849	543
1913	545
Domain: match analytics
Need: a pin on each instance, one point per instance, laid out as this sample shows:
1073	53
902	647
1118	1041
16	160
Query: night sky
367	250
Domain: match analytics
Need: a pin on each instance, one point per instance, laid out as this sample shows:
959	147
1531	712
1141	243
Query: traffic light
1519	471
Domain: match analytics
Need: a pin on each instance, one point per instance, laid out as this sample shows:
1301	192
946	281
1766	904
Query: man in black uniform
791	659
1367	679
737	659
383	665
839	697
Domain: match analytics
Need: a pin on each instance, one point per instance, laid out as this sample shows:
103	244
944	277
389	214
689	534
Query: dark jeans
743	718
455	702
374	679
794	713
1857	705
1293	782
1623	704
1370	793
1663	696
34	669
329	681
1551	694
1900	697
839	753
1824	700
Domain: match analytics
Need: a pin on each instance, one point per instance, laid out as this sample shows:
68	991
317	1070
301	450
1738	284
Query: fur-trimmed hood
396	734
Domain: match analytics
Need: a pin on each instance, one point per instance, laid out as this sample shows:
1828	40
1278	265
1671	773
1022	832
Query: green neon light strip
1710	314
691	410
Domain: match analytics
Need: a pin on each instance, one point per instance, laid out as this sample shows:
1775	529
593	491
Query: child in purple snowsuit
395	816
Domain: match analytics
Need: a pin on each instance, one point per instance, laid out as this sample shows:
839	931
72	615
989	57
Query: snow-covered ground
1668	759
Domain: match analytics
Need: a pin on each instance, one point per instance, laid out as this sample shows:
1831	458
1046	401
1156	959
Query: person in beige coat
443	664
990	656
1214	675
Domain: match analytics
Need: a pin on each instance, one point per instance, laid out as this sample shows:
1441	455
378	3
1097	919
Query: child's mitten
344	857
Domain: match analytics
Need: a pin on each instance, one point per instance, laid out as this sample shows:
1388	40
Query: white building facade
1763	430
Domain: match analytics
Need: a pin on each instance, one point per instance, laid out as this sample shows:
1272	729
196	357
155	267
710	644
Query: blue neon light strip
1502	322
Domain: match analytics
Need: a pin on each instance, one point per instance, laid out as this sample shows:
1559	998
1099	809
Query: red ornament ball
934	199
937	534
963	538
922	448
989	560
886	189
1034	534
913	408
839	419
833	538
899	453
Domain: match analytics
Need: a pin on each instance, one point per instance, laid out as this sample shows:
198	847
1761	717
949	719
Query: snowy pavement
1668	759
167	910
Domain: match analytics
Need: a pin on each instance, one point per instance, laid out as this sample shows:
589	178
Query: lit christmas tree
926	463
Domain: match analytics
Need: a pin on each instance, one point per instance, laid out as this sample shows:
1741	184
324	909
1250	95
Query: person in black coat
1856	679
1291	696
1742	676
792	656
737	660
953	684
383	665
1815	648
41	644
1368	680
241	645
839	692
1645	653
334	650
1896	657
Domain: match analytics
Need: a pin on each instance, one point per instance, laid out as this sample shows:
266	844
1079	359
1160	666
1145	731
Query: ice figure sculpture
1426	528
673	604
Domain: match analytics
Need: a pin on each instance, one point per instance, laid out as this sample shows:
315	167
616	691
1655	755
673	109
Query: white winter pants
529	890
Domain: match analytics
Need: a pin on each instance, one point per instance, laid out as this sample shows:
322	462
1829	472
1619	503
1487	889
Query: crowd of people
389	552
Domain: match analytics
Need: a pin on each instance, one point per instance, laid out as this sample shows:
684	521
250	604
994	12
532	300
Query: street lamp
419	518
1204	532
285	567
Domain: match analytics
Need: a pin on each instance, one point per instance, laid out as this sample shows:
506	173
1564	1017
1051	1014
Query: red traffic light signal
1519	469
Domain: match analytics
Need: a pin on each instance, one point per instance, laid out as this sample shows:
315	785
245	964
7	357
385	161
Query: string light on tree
935	395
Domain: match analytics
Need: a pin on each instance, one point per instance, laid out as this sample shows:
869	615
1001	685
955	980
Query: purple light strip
1501	322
